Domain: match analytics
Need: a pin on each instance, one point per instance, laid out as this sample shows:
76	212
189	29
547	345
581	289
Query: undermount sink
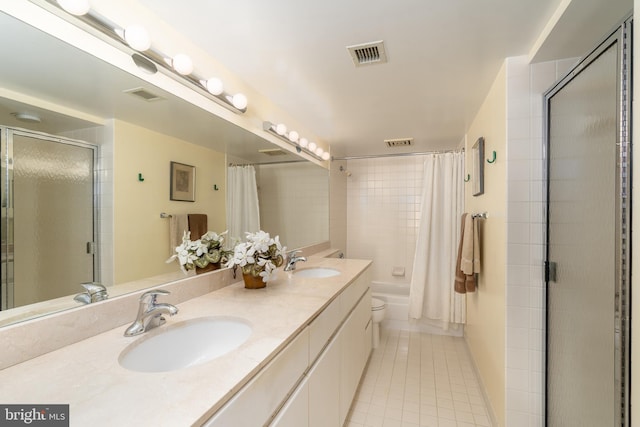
316	272
185	344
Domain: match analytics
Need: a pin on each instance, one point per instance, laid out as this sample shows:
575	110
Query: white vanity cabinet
312	382
254	404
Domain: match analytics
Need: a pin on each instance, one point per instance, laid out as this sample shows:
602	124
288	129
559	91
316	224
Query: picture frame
183	182
477	167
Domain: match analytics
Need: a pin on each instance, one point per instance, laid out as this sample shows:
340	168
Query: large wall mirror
123	133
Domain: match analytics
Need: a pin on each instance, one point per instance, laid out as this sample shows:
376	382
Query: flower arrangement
200	253
259	256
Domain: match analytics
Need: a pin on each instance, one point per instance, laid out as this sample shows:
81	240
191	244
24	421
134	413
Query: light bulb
182	64
137	37
326	155
312	147
75	7
239	101
214	86
319	151
281	129
293	136
303	142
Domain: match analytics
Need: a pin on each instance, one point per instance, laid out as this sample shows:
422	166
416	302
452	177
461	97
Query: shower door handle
550	271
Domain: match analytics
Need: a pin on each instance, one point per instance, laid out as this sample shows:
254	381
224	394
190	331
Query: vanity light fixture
292	137
137	39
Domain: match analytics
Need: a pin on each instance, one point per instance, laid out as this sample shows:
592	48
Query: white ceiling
443	57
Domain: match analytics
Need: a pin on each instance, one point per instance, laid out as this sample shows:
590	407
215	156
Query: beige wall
485	329
141	237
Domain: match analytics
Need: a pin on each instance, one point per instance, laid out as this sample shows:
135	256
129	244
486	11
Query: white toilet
378	308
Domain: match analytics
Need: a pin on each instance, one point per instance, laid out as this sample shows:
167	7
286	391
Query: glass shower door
48	217
586	249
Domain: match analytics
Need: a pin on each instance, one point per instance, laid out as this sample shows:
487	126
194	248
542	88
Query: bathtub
396	296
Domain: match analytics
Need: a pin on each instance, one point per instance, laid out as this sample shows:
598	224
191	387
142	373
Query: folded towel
178	224
197	225
468	262
459	283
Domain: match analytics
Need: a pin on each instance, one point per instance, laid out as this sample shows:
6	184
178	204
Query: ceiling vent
144	94
273	152
400	142
368	53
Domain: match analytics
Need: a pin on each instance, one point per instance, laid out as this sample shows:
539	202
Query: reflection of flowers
199	253
260	255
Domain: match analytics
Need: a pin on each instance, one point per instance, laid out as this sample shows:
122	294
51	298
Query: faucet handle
152	295
291	254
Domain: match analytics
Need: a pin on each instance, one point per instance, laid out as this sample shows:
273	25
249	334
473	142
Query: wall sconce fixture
136	41
292	137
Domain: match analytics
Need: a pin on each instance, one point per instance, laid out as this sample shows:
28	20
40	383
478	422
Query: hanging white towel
178	224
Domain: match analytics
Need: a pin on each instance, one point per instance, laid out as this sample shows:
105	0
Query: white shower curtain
243	212
431	293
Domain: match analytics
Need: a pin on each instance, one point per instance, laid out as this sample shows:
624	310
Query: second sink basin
185	344
316	272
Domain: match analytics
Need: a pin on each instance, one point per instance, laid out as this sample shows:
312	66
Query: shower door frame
623	36
6	155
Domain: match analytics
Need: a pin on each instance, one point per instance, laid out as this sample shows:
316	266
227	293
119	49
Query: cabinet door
257	401
353	338
324	388
295	413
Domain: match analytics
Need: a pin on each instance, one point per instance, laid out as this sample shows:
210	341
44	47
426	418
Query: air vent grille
400	142
273	152
368	53
144	94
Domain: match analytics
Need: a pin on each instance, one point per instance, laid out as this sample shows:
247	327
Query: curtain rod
269	163
375	156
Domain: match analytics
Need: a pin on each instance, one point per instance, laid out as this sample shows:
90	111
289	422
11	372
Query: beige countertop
87	376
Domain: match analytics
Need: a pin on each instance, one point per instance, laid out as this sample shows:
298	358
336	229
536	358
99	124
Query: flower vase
253	282
210	267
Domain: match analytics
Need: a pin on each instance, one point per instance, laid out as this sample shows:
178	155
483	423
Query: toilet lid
377	304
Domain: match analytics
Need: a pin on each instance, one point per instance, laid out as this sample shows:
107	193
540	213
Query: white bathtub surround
396	298
432	293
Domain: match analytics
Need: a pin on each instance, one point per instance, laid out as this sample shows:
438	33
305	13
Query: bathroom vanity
300	366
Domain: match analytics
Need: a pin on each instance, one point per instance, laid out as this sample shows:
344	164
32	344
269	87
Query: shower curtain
243	213
431	293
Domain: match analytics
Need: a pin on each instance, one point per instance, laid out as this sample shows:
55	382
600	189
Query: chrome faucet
150	313
94	292
292	259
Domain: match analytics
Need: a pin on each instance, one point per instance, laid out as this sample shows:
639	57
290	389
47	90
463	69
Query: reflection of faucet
292	259
94	292
150	313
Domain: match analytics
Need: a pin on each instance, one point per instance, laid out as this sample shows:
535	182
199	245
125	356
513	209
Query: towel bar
164	215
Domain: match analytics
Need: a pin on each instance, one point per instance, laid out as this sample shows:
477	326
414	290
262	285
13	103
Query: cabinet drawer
352	294
323	327
256	402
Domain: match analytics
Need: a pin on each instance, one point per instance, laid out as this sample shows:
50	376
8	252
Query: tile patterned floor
419	380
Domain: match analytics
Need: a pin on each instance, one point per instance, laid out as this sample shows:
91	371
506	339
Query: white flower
258	250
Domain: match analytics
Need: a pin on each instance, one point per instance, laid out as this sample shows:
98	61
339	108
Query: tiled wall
525	238
294	202
383	213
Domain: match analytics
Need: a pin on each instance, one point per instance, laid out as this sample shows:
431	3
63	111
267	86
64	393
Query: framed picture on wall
183	182
477	167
